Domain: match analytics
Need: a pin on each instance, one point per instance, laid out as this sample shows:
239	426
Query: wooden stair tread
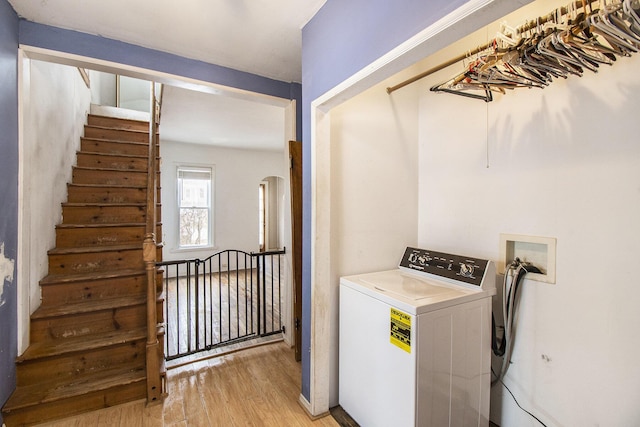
98	153
109	169
89	138
104	205
103	225
83	277
77	344
117	128
94	249
80	355
118	119
87	306
30	395
117	186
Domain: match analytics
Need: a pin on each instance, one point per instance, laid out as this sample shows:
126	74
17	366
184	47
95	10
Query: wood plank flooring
254	387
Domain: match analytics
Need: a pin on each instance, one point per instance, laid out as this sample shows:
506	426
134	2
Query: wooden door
295	157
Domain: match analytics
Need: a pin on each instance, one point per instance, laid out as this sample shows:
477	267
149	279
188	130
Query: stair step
87	306
88	338
105	213
98	193
53	279
88	321
117	123
98	145
116	134
106	176
65	358
76	235
80	344
77	251
87	159
44	401
63	289
95	259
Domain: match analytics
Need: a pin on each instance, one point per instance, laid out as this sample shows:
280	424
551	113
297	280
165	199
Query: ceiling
262	37
201	118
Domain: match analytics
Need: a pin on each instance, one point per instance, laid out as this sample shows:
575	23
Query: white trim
461	22
437	36
211	199
24	217
147	74
31	52
290	135
321	261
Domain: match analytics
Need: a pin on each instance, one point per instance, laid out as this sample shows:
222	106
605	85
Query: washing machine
415	342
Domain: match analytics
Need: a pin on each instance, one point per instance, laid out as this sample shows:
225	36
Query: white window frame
178	206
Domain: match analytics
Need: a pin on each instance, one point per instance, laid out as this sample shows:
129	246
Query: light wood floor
255	387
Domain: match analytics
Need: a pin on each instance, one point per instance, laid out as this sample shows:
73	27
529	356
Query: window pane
194	226
195	193
194	206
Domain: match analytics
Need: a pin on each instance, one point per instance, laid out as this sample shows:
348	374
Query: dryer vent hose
513	277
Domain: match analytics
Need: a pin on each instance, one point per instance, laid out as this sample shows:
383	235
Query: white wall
563	163
374	191
275	212
238	174
55	104
103	88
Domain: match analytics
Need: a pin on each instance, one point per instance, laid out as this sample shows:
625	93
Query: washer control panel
457	267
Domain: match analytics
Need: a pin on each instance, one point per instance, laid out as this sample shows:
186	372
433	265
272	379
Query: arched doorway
271	197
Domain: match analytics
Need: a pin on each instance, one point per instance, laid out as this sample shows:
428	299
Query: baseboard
307	408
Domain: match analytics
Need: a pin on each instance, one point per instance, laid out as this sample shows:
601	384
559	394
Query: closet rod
525	27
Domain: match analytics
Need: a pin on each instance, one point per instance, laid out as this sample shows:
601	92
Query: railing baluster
210	302
272	305
188	304
252	293
279	294
246	297
229	295
197	304
220	298
264	292
178	307
237	298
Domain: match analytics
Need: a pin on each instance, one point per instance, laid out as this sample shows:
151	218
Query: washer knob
466	270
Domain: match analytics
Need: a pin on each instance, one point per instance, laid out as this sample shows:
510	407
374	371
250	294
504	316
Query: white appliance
415	342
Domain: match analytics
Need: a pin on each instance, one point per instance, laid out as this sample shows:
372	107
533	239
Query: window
194	206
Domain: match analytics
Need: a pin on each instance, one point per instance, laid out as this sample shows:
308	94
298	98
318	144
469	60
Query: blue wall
58	39
8	193
344	37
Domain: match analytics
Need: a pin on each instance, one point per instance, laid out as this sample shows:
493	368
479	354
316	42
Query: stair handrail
154	352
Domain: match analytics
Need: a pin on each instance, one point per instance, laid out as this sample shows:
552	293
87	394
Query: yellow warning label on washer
400	333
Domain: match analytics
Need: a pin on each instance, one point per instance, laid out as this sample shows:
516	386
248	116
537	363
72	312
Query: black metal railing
228	297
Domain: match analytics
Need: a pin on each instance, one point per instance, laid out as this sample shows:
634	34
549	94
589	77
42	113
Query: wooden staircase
89	337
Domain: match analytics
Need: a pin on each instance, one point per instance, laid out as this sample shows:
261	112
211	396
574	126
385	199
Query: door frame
295	168
26	52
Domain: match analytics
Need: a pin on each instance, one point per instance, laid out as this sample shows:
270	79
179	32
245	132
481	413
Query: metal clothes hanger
563	44
631	9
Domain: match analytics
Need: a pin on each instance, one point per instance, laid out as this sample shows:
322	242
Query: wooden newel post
154	356
154	353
